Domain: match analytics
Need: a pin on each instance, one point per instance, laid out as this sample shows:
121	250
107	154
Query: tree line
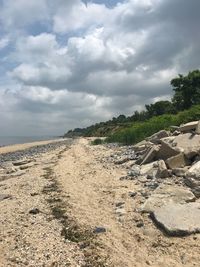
186	94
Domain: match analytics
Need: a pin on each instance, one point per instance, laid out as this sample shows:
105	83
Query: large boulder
165	194
155	138
188	126
150	154
178	161
192	178
189	143
178	219
166	151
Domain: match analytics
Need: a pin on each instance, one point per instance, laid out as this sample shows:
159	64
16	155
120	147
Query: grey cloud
99	72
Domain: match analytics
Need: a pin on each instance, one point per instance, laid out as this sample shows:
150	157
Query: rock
192	178
140	224
121	160
188	126
34	211
151	154
178	161
165	194
155	138
120	204
198	128
180	172
177	219
142	145
150	232
132	194
147	168
190	144
135	171
21	162
99	230
166	151
5	196
162	171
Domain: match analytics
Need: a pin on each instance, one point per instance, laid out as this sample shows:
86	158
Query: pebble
99	230
34	211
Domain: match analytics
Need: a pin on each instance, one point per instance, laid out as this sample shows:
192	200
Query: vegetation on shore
184	107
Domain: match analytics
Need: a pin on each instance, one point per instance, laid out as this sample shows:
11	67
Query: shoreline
24	146
30	150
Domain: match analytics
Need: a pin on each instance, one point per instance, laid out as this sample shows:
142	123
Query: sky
71	63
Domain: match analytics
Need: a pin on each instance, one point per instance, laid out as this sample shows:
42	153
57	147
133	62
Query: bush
141	130
97	141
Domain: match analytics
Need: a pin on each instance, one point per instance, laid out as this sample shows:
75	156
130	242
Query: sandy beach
69	207
17	147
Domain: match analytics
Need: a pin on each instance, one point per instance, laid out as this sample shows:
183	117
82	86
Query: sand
56	205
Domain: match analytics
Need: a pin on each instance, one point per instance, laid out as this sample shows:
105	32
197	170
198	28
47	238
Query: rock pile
168	164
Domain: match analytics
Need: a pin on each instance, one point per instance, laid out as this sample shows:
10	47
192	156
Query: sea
11	140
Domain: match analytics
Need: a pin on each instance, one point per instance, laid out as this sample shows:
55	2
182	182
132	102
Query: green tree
187	90
160	108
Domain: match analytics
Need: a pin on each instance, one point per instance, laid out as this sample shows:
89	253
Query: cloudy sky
70	63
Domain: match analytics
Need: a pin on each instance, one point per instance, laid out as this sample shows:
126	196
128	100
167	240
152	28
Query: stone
21	162
122	160
165	194
34	211
190	143
151	154
178	161
166	151
132	194
178	219
135	171
198	128
142	145
155	138
140	224
5	196
162	171
147	168
192	178
180	172
188	126
99	230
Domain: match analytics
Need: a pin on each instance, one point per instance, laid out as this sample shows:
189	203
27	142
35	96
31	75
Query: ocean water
11	140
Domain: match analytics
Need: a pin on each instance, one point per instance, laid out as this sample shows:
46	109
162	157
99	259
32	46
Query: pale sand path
95	189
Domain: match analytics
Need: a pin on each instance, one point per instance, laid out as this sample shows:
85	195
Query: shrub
140	130
97	141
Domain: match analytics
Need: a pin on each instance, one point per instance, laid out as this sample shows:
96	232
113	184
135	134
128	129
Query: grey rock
155	138
5	196
178	161
189	143
192	178
99	230
162	171
135	171
180	172
188	126
151	154
21	162
165	194
166	151
132	194
34	211
177	219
